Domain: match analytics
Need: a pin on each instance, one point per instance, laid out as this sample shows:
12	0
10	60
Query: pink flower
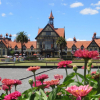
0	78
5	87
64	63
86	54
94	72
52	82
38	83
33	69
80	91
7	82
59	77
41	77
17	82
12	96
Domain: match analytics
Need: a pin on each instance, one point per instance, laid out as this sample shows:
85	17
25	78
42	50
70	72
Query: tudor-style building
45	44
46	39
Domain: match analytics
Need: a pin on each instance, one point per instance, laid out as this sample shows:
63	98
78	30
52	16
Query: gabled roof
28	45
4	42
78	44
59	31
97	41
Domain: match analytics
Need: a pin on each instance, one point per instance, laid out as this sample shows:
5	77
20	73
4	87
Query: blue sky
80	18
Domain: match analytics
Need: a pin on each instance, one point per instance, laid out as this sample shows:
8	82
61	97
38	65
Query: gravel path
19	73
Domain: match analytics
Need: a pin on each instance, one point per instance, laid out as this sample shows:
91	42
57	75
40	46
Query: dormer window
16	47
73	48
32	47
65	48
24	47
82	47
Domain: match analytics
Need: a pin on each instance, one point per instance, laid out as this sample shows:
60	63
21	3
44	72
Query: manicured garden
70	89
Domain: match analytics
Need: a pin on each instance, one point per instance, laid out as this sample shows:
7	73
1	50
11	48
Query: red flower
7	82
94	72
12	96
17	82
42	77
33	69
64	63
86	54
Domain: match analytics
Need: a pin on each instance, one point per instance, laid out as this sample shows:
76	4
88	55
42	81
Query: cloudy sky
80	18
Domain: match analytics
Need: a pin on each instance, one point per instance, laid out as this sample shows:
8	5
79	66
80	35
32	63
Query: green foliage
12	52
31	58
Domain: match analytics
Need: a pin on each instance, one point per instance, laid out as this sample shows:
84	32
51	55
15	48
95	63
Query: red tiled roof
78	44
28	45
97	41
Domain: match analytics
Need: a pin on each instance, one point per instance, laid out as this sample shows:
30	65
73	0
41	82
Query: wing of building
45	44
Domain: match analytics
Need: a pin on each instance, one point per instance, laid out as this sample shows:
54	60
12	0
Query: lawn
43	64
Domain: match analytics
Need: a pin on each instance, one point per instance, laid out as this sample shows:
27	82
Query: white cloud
51	4
0	2
88	11
77	4
3	14
97	4
29	35
14	35
64	4
71	39
10	13
97	8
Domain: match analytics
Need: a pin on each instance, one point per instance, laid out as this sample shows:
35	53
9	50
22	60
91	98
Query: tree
12	52
61	42
22	38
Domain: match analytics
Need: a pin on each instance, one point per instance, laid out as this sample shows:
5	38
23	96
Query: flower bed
87	89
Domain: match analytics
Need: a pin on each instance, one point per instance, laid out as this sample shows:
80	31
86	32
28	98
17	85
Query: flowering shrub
86	89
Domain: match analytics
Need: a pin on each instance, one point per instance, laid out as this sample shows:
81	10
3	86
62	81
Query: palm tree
22	38
61	42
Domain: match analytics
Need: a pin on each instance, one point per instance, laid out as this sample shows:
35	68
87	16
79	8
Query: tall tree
61	42
22	38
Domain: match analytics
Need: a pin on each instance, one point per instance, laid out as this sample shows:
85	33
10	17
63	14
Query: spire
51	15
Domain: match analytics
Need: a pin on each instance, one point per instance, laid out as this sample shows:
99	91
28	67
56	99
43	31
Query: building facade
45	44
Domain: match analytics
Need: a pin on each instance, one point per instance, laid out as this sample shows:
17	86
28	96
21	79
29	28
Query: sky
79	18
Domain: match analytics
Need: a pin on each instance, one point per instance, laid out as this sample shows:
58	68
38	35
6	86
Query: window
24	47
65	48
48	33
95	48
73	48
55	53
82	47
32	47
16	47
90	49
3	51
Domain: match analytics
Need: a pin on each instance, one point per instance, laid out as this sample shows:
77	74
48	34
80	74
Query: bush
31	58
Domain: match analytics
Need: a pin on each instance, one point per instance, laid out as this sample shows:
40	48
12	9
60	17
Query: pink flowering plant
85	88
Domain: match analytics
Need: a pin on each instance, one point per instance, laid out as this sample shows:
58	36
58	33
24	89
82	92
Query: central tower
51	19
